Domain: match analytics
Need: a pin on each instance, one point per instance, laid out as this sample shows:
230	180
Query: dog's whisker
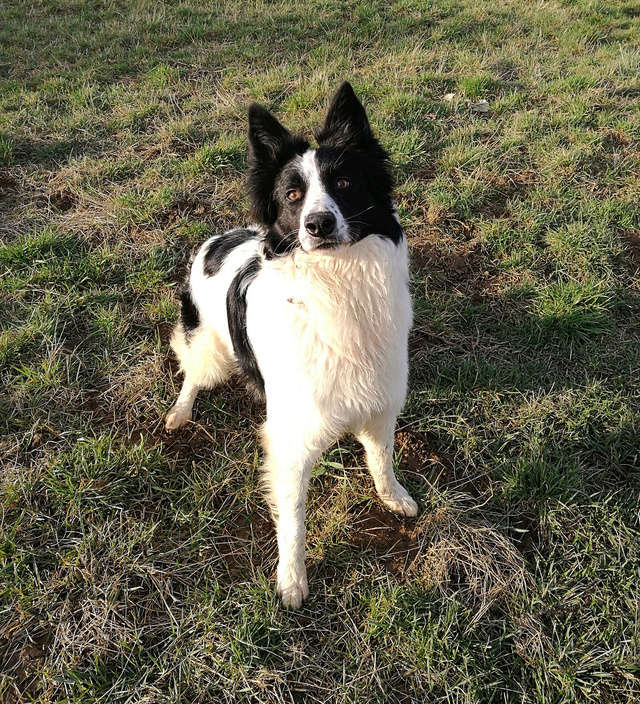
361	212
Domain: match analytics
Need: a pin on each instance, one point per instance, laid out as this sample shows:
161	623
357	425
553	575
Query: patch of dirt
426	173
466	260
258	526
418	451
422	455
614	139
182	208
7	183
251	545
632	239
390	537
63	199
422	253
457	265
516	183
23	665
463	269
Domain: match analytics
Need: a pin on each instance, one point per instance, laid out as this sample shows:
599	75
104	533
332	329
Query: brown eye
294	194
342	183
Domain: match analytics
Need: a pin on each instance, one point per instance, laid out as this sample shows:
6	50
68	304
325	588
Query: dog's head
320	198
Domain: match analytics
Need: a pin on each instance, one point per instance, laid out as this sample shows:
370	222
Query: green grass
139	567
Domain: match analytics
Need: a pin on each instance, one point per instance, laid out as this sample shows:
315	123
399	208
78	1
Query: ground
138	566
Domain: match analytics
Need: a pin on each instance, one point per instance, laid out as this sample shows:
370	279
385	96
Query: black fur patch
277	245
222	246
237	320
188	311
366	205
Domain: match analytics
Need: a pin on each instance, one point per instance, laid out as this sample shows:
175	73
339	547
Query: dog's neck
350	296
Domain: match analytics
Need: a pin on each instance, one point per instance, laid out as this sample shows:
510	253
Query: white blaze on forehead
317	199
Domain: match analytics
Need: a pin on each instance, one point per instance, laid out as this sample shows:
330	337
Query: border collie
312	305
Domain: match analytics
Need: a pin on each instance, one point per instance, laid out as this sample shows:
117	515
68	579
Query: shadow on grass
51	152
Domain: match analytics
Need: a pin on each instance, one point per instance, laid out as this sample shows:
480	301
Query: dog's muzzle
320	224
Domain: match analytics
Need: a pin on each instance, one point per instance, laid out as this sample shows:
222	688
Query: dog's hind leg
205	363
377	438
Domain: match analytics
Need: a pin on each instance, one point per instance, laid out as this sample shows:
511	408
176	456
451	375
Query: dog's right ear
271	146
267	136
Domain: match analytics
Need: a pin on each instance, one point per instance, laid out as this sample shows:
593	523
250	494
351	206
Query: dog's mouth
315	243
330	244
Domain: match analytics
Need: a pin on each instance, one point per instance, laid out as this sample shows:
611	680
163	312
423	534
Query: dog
312	306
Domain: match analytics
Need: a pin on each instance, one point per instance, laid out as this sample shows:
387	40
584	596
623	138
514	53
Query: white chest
334	327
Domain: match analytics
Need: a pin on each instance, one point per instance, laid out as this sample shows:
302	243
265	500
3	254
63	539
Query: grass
139	567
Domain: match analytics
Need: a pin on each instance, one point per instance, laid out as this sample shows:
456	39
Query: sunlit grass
139	567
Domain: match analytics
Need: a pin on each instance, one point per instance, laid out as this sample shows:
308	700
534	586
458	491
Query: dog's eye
294	194
343	183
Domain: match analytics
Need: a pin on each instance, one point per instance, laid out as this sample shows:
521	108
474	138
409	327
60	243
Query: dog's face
320	198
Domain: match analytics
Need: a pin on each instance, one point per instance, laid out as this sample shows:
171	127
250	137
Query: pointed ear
266	135
271	146
346	124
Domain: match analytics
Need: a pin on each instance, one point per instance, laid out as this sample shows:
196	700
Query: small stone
480	106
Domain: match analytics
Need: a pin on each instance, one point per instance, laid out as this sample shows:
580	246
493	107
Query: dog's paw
293	590
400	502
177	417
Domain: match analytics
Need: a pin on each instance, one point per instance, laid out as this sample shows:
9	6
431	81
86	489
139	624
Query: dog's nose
320	224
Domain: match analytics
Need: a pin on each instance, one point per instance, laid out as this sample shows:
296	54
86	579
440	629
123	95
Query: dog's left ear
346	124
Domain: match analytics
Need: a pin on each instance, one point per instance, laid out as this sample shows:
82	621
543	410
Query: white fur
329	331
317	199
207	357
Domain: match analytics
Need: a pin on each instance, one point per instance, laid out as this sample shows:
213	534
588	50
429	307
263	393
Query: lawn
138	567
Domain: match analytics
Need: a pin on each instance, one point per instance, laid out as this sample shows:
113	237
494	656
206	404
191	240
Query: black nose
320	224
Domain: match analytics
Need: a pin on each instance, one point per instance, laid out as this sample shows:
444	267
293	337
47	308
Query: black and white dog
312	305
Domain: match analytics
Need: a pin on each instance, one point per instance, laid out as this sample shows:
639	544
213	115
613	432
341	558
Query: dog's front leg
287	468
377	438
